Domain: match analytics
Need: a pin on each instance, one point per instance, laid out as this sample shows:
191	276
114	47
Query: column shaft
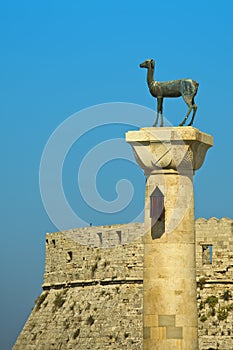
169	158
169	303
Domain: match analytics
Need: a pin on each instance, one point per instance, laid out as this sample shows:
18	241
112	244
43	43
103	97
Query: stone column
169	158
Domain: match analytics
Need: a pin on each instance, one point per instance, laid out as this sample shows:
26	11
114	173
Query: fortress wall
214	259
219	235
94	253
92	296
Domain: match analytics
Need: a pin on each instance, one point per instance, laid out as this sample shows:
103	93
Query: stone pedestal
169	158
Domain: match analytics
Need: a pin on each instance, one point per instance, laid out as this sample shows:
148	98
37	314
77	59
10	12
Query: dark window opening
54	242
100	237
157	205
119	236
157	214
207	254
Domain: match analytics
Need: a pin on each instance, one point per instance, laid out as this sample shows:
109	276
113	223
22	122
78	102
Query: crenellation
92	298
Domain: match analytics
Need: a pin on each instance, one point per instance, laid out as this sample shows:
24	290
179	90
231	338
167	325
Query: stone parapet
85	254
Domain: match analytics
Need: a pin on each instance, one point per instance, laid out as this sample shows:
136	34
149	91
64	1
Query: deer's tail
196	84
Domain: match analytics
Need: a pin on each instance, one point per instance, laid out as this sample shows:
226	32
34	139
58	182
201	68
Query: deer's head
150	63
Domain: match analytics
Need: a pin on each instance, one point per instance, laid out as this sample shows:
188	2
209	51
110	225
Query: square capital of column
173	148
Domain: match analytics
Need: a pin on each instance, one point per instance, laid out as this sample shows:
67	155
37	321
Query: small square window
207	254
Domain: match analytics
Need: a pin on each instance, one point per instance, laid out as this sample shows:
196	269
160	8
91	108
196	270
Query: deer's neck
150	76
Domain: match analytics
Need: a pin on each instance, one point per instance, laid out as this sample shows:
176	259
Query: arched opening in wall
207	254
54	243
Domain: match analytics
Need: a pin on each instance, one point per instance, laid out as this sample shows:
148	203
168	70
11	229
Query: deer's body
187	88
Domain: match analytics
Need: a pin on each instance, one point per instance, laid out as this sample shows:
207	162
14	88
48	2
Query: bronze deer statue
187	88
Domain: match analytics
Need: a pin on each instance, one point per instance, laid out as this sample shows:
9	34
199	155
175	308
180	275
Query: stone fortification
92	296
92	292
93	254
214	263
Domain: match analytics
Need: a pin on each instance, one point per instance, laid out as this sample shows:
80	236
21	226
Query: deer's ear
152	63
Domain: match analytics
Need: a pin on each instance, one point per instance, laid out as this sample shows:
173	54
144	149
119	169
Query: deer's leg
186	117
156	120
160	110
188	101
194	112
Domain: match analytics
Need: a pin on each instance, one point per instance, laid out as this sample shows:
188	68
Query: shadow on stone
158	227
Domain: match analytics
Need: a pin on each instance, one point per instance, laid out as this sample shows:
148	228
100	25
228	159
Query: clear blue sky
58	57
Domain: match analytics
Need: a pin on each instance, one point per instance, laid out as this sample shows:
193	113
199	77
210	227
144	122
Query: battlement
116	252
94	254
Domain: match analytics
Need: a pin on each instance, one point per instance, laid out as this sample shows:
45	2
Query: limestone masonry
93	289
169	158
